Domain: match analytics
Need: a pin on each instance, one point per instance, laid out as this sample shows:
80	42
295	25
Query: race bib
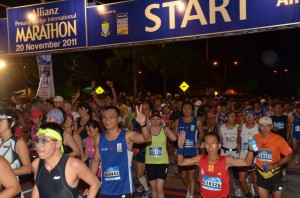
245	146
155	151
188	143
279	125
265	156
112	174
212	183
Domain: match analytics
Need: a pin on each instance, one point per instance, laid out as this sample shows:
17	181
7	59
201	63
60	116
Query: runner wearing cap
58	101
57	174
228	134
246	130
271	148
157	159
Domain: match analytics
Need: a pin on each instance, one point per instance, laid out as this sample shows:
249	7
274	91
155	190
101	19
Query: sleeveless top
156	151
53	184
7	150
91	151
220	120
245	134
296	127
191	135
229	140
116	177
280	122
83	134
213	178
33	133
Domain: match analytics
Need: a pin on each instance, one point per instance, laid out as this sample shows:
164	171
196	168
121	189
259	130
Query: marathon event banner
3	37
150	20
46	85
48	26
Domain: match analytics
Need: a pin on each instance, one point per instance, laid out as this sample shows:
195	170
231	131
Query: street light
2	64
280	71
215	63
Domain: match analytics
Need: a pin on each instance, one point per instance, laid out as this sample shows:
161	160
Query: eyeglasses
44	140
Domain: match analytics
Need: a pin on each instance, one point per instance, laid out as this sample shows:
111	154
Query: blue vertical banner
3	37
47	27
46	85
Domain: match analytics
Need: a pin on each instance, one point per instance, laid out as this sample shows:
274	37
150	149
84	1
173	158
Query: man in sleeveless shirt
194	134
114	146
56	174
246	130
213	168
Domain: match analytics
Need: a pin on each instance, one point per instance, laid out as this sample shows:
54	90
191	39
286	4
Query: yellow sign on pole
99	90
184	86
216	93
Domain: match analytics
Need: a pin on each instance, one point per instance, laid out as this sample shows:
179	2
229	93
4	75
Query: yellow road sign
184	86
99	90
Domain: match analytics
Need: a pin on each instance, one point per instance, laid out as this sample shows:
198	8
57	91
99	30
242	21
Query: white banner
46	85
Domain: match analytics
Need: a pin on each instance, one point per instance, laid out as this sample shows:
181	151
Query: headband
52	133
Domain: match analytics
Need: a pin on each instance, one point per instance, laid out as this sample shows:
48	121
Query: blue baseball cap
249	112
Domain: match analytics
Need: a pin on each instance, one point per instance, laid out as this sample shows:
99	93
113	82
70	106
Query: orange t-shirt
270	148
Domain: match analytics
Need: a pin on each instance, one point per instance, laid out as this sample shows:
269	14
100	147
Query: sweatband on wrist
180	151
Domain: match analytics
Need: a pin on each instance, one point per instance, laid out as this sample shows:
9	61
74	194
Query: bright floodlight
101	9
181	5
2	64
31	17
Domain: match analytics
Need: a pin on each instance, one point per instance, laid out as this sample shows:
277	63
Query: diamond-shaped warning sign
99	90
184	86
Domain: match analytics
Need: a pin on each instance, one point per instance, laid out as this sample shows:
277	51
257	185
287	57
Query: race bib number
212	183
112	174
245	146
279	125
188	143
155	151
265	156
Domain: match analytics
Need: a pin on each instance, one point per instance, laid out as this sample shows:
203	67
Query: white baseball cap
265	120
58	99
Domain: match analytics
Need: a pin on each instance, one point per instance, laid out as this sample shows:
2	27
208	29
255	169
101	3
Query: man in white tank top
228	133
246	130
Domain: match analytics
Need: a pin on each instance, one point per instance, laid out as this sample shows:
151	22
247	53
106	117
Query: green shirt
156	150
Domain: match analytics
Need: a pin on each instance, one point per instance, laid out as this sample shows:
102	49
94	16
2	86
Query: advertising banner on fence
3	37
46	85
48	26
150	20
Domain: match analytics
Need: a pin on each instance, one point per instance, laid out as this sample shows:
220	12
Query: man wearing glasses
114	146
57	174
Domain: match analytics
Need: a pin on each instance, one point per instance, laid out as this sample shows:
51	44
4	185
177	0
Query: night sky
258	55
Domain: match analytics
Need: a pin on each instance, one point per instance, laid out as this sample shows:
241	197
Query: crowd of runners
101	145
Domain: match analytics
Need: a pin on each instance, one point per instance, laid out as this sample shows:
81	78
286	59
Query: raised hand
140	117
110	84
181	139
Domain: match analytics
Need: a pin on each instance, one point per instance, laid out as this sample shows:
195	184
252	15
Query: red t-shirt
213	178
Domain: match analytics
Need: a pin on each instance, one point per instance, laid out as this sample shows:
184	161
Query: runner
269	159
57	174
213	168
114	146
